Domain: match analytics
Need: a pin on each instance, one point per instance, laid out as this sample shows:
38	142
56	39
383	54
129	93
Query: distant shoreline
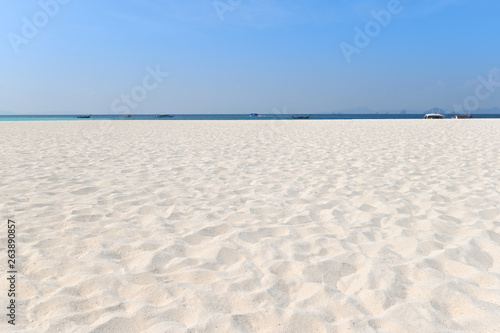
225	117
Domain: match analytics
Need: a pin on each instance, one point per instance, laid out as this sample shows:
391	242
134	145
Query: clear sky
242	56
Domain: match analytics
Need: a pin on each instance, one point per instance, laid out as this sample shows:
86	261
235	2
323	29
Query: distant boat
127	116
164	116
86	116
254	115
461	116
434	113
434	116
301	117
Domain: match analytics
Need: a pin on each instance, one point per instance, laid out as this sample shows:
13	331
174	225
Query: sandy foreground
253	226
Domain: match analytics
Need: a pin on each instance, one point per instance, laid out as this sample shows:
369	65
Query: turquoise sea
219	117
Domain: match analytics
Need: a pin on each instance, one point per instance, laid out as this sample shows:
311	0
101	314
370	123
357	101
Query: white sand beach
253	226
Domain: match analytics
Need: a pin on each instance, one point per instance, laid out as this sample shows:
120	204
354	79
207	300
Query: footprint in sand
85	191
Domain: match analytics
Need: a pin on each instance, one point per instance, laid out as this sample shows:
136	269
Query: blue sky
229	56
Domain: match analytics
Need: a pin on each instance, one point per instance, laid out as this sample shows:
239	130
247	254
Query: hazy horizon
223	57
283	111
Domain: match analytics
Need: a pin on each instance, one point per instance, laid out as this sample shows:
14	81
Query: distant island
495	110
